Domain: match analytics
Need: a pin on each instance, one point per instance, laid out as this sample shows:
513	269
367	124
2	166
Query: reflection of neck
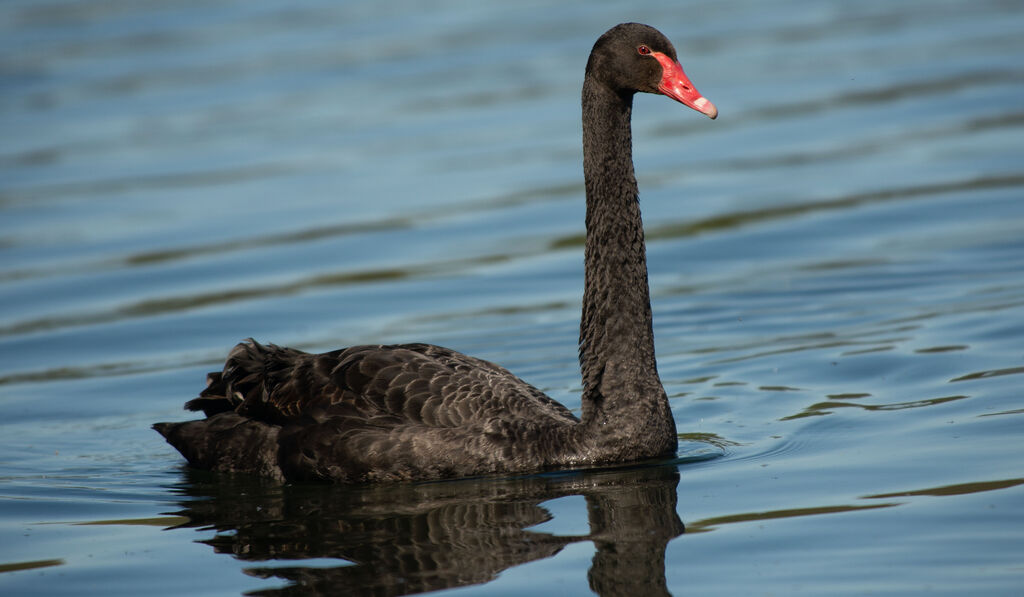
626	570
631	528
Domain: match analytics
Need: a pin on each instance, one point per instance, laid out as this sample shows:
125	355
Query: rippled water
837	266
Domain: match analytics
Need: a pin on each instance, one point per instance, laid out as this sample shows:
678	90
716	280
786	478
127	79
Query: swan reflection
413	538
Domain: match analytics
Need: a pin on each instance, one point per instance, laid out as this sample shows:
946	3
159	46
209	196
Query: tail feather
163	429
226	389
226	443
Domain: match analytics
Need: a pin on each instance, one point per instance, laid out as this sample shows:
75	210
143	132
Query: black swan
418	411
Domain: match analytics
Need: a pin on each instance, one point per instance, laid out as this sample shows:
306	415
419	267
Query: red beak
676	85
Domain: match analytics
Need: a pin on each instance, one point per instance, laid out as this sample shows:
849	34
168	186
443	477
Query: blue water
837	269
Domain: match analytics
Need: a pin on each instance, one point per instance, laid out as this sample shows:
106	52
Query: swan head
632	57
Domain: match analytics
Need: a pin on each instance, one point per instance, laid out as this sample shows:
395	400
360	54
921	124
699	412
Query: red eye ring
643	50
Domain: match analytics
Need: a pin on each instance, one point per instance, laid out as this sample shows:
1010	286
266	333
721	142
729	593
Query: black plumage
418	411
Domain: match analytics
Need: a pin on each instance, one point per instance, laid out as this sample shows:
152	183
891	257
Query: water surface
837	268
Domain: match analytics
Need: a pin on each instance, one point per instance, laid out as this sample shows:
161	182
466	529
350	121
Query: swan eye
643	50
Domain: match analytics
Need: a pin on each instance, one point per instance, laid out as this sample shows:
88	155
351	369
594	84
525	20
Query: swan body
418	411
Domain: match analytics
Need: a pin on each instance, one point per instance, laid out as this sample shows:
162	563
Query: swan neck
616	337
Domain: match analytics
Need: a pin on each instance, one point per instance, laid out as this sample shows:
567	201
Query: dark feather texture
417	411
